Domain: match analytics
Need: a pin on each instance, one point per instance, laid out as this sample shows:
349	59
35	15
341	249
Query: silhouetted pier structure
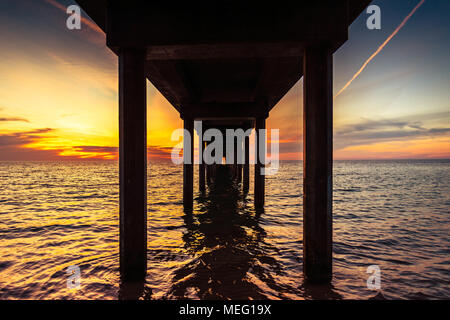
227	63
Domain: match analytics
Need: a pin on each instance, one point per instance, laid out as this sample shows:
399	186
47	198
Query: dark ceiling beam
276	78
171	80
222	126
139	23
224	110
97	10
225	50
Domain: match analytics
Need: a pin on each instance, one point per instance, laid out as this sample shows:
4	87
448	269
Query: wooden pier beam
260	152
133	164
317	163
246	182
188	165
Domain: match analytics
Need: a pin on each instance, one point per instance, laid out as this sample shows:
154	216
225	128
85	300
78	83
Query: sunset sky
59	89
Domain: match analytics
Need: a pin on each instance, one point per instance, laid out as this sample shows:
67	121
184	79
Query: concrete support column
317	163
246	182
188	166
133	164
260	152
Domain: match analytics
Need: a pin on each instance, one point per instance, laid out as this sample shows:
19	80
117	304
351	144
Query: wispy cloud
85	21
97	149
13	146
380	48
92	32
5	119
31	145
369	132
159	152
22	138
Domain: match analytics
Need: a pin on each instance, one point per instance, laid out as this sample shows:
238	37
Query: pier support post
239	164
235	160
208	169
260	152
133	164
208	174
202	169
246	182
188	164
317	163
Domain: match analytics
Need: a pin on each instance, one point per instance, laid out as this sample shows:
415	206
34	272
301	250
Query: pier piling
260	151
246	169
201	169
228	70
317	163
133	164
188	166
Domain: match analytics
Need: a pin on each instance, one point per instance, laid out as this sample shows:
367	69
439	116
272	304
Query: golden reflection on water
55	215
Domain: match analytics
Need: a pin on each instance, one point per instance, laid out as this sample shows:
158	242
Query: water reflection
319	291
390	213
133	291
227	244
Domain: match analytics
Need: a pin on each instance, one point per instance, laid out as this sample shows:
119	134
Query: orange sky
58	91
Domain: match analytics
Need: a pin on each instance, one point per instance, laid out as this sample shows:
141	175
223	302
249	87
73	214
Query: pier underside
227	64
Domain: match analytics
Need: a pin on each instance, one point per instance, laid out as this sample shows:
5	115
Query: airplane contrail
381	47
87	22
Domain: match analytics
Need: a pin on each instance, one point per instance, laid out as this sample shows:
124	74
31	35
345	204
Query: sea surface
393	214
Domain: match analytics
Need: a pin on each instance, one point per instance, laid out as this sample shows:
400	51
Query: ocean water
394	214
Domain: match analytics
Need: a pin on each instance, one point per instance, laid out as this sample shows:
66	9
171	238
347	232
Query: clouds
91	25
96	149
30	145
375	131
380	48
12	119
13	146
92	33
66	80
159	152
5	119
19	139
